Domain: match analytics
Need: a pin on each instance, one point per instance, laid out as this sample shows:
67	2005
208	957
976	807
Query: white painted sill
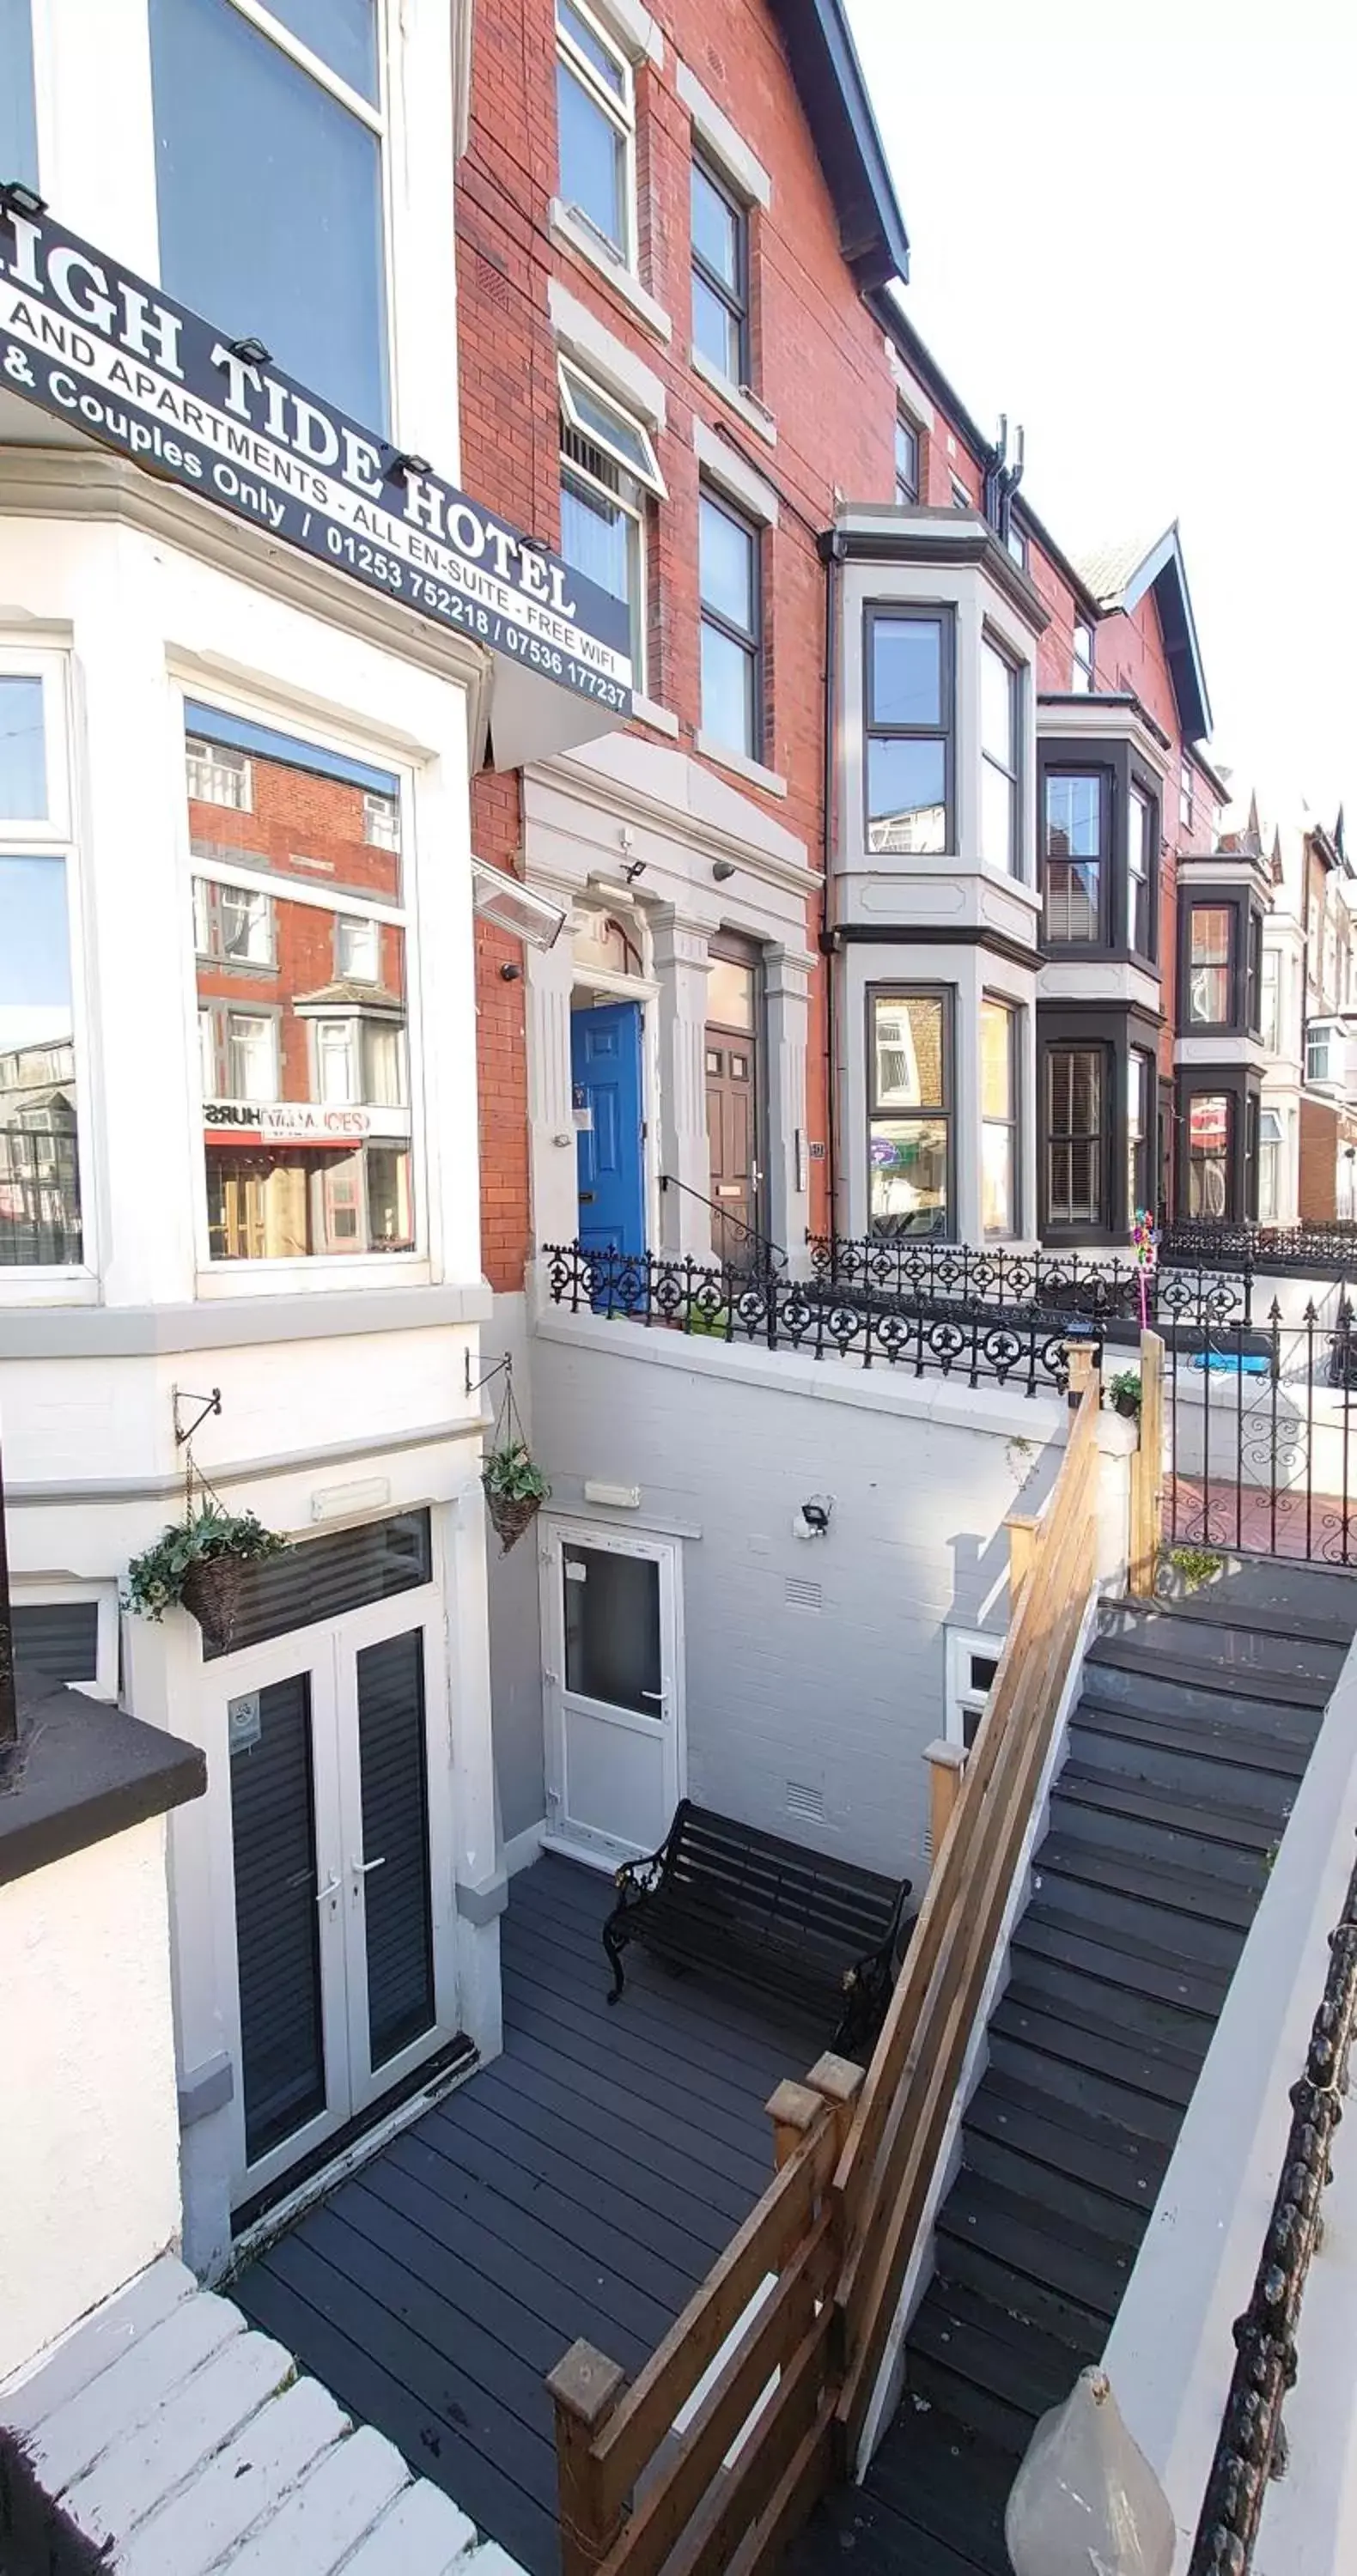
566	227
751	411
724	758
647	711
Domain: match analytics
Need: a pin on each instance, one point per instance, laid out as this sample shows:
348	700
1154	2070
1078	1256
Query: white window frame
53	837
633	511
1186	796
1082	665
572	380
31	1594
621	113
1011	864
962	1699
313	1269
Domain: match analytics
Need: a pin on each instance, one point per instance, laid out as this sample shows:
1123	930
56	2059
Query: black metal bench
805	1929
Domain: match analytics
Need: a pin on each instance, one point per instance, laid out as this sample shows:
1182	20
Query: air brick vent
803	1594
807	1804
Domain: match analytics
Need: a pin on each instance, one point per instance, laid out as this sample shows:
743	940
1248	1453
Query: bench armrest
639	1877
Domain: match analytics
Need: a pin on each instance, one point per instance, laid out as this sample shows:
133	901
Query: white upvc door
340	1885
612	1622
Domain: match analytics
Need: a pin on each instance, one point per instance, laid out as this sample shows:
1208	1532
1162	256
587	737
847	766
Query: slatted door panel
273	1825
57	1641
395	1806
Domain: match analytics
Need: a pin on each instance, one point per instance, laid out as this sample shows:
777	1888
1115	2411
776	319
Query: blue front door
605	1068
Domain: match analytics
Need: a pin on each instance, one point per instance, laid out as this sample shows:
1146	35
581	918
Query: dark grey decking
581	2185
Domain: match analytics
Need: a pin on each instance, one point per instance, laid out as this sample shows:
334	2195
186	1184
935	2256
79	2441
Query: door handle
362	1868
331	1888
654	1694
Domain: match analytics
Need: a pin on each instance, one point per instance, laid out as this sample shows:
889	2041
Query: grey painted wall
838	1700
515	1620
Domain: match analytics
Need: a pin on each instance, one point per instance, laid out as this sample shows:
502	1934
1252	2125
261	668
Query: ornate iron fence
1248	2451
1259	1435
1094	1290
962	1337
1301	1251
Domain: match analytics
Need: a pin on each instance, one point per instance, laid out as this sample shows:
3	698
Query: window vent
803	1594
807	1804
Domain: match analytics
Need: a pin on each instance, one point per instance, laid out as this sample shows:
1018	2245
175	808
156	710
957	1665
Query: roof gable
1120	576
836	107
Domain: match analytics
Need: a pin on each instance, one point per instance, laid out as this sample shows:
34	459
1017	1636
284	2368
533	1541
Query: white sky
1136	233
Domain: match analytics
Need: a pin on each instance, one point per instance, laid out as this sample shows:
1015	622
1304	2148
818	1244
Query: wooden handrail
782	2345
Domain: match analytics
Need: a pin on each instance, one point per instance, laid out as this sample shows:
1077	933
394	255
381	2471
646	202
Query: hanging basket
213	1592
511	1518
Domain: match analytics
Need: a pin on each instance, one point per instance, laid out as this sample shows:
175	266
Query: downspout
833	548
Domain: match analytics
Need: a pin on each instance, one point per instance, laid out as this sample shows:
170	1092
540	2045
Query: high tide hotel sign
96	346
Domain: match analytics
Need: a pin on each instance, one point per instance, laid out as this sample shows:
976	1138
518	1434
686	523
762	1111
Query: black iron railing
1095	1289
1247	2453
743	1245
1302	1251
962	1337
1259	1422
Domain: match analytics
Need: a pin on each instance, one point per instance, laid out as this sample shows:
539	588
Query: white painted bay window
596	129
301	928
909	1140
42	1226
910	696
297	258
1000	700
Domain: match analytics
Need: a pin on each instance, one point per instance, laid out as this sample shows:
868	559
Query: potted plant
200	1563
515	1490
1124	1390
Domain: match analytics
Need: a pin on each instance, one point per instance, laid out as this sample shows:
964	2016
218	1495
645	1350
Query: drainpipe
833	549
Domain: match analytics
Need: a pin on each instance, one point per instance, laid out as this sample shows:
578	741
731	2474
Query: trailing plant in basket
515	1489
159	1577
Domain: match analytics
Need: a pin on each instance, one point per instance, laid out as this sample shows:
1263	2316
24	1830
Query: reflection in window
909	717
732	656
909	1140
999	1117
1270	1139
1074	844
302	1010
39	1171
18	128
23	754
1075	1083
906	459
217	774
1208	980
240	126
1140	1077
608	464
595	112
1139	872
1208	1154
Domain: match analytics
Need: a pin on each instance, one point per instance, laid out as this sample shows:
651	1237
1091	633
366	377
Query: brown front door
732	1058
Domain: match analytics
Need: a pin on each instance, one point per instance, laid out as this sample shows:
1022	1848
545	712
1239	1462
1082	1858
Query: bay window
1140	1095
290	247
910	694
596	125
1076	1135
909	1141
1000	690
1210	963
41	1225
999	1117
300	932
1271	1002
1076	808
1141	838
1270	1139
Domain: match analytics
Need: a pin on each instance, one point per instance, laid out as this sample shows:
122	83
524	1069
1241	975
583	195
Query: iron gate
1258	1427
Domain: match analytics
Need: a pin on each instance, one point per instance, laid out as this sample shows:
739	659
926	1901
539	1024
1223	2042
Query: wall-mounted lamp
812	1519
722	870
402	461
20	199
634	868
509	974
251	352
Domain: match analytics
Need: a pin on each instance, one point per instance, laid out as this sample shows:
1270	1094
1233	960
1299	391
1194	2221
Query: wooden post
792	2108
946	1765
838	2081
585	2387
1022	1530
1147	1470
1079	1359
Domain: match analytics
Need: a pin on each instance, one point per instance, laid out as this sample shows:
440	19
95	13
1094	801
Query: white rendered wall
89	2140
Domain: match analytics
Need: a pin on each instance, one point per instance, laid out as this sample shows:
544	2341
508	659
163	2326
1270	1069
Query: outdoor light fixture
812	1519
509	974
405	462
19	199
251	352
514	907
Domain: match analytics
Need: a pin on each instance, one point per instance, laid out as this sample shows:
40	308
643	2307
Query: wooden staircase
1191	1735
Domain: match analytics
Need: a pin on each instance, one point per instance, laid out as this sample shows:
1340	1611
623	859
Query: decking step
947	2485
884	2540
1137	1925
964	2260
1259	1771
1072	2054
1051	2250
1213	1607
1239	1828
1052	2133
1053	2196
1127	1838
1193	1988
1205	1675
958	2360
1227	1648
1172	1889
1170	2034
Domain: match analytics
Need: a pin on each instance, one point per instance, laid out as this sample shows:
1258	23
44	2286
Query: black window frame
937	613
907	486
1105	774
1138	786
944	1113
1102	1049
737	302
1013	864
752	643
